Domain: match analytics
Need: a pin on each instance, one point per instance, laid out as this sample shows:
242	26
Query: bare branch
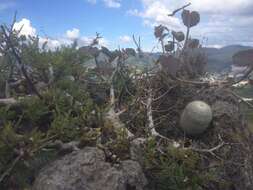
9	170
175	11
8	101
242	100
138	44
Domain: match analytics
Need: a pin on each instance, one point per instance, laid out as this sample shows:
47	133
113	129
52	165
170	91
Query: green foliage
175	169
34	110
121	145
66	109
65	127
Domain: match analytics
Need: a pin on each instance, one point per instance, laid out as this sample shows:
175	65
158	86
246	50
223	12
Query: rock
87	170
196	118
137	150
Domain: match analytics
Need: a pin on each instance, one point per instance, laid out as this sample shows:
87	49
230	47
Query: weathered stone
137	150
87	170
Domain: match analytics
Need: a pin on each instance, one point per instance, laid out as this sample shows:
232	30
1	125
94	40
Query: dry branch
112	116
8	101
175	11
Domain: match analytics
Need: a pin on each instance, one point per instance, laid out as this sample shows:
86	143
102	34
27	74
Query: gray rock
137	150
87	170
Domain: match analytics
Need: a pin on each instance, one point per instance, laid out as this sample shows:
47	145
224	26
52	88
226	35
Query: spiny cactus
190	19
179	36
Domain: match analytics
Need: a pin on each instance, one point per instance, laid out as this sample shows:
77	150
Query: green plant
173	169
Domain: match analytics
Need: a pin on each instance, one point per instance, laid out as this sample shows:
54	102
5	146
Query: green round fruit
196	118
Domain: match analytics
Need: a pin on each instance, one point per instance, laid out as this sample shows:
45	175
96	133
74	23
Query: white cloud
92	1
125	39
223	22
222	6
206	6
73	34
108	3
52	43
26	26
113	3
154	13
87	40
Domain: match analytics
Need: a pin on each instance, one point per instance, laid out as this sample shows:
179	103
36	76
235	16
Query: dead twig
211	150
177	10
9	170
241	99
138	44
8	101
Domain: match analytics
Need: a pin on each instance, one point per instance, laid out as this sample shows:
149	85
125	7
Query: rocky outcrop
87	170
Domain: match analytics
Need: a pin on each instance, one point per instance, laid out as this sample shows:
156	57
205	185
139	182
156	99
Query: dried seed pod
160	31
169	47
193	43
179	36
190	19
196	118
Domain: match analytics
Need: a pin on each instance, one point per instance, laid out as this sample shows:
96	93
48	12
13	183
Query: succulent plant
190	19
179	36
169	47
196	118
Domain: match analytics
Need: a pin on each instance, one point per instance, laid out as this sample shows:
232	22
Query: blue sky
223	22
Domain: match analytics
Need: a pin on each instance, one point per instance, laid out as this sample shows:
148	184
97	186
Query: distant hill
221	59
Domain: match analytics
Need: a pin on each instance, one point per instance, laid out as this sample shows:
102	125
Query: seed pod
196	118
190	19
169	47
179	36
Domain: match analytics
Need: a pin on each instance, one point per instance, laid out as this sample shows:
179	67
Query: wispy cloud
52	43
92	1
73	34
107	3
125	39
113	3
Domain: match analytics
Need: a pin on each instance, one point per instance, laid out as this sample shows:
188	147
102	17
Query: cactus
170	46
190	19
196	118
179	36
